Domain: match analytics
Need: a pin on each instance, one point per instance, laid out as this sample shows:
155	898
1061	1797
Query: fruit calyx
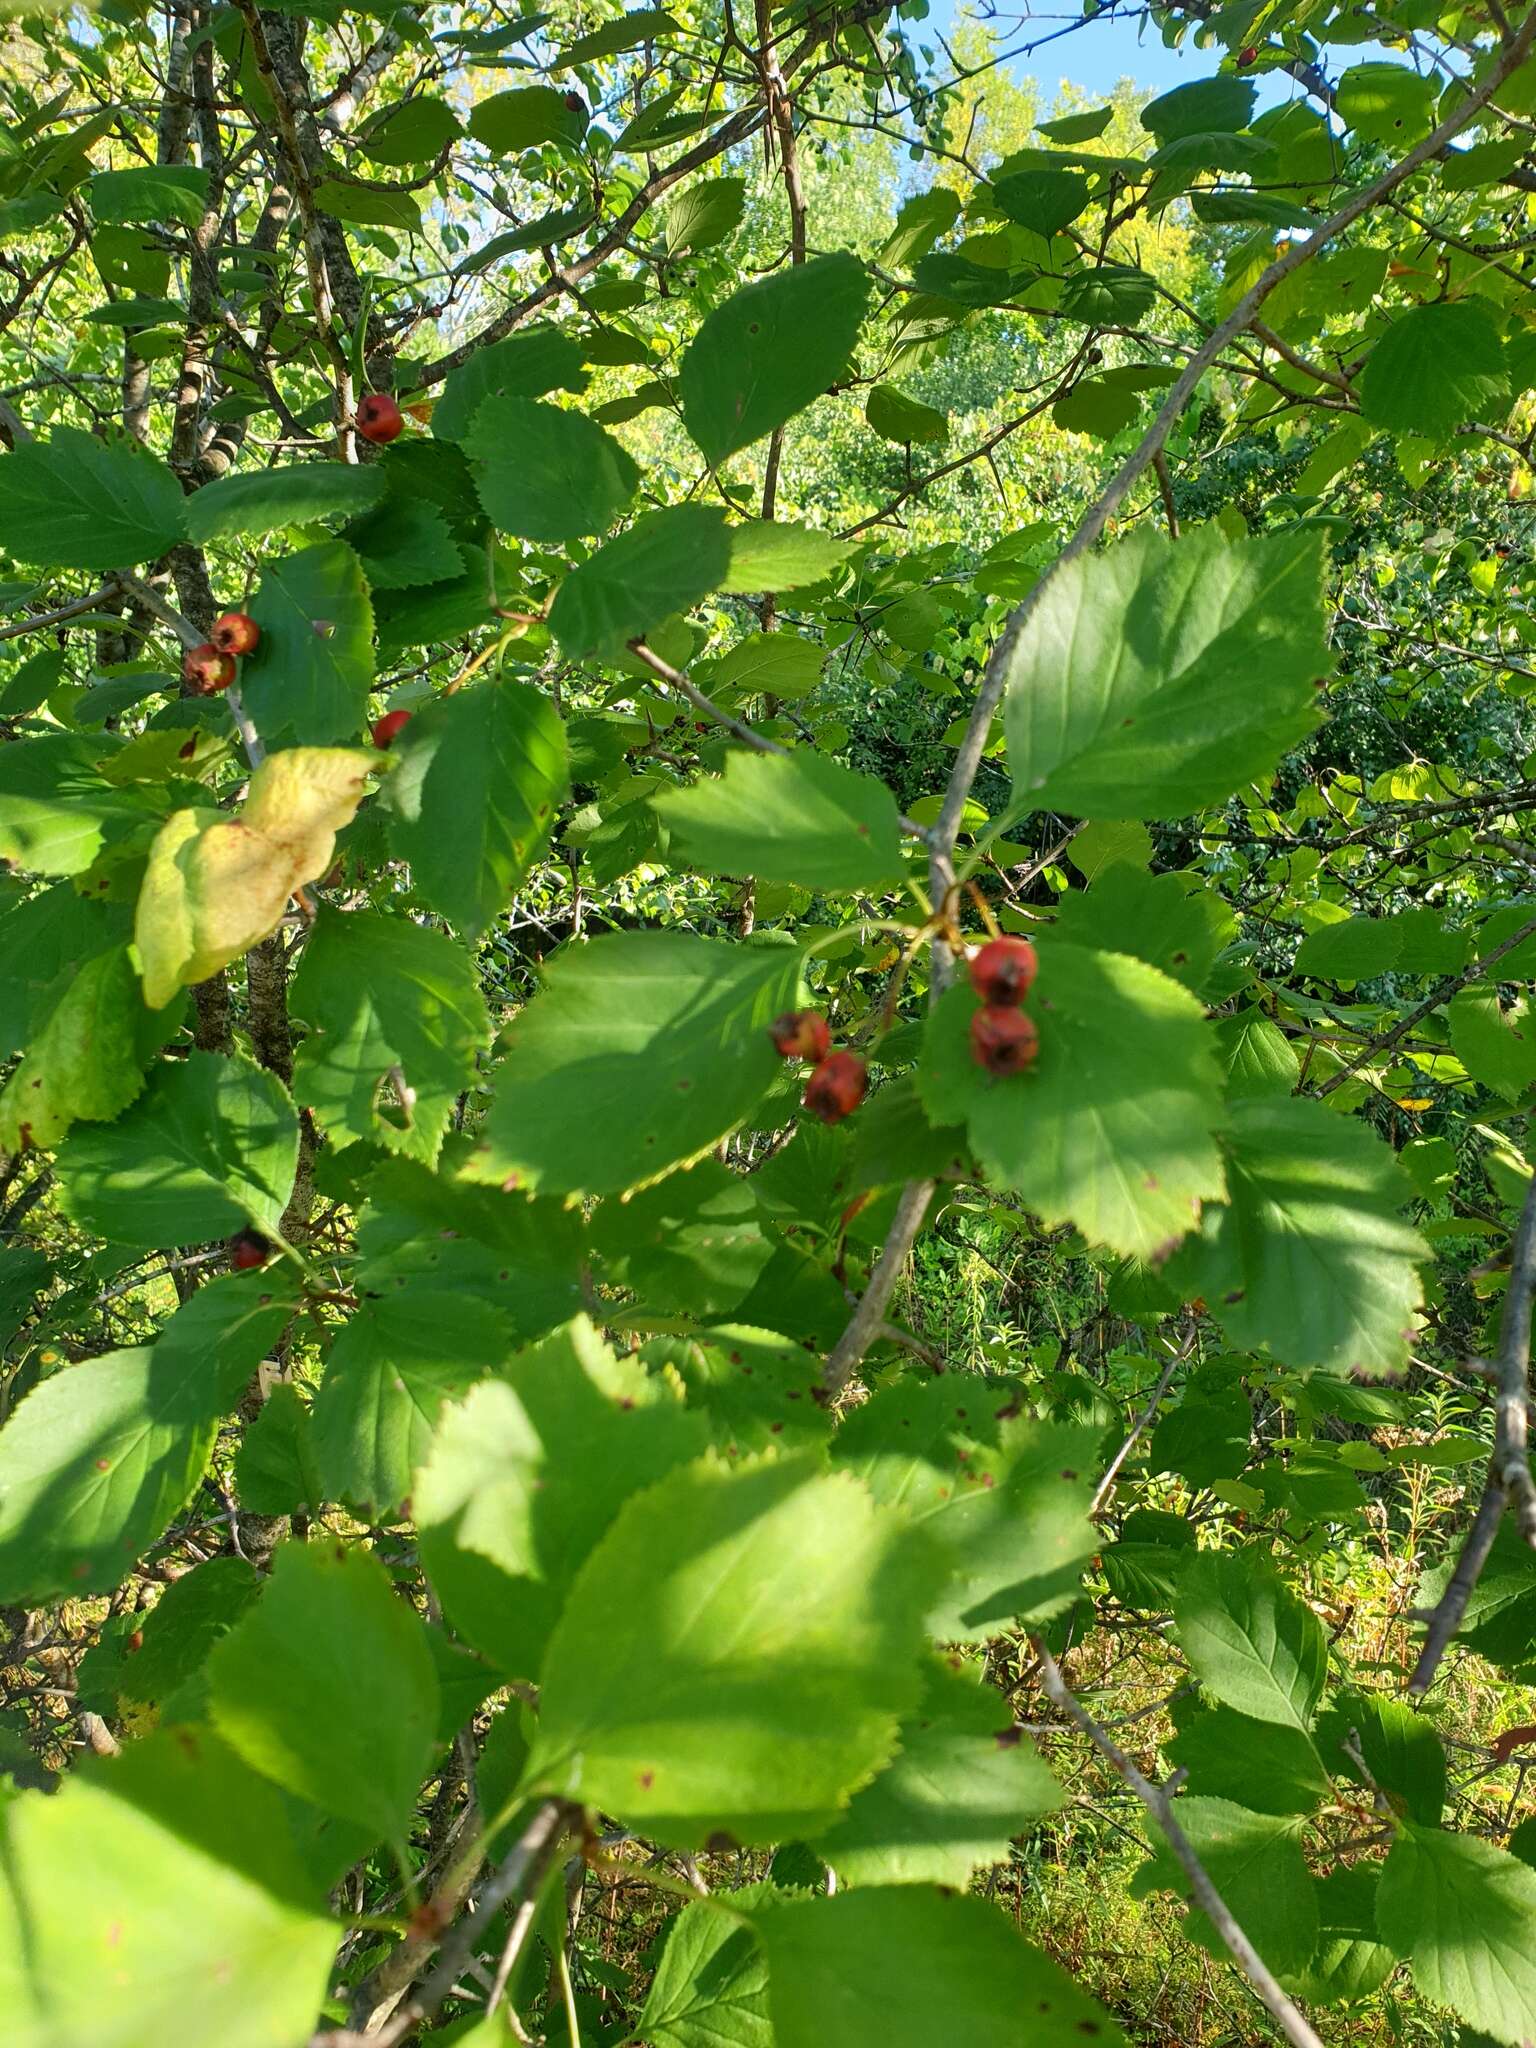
1003	970
1003	1040
801	1035
837	1087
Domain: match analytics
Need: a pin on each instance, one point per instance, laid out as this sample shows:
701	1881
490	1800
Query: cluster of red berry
838	1079
1003	1039
211	666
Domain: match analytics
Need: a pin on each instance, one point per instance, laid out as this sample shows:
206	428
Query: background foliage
510	1526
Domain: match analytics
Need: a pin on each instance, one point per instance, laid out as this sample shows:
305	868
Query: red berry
207	669
837	1087
248	1248
1247	55
575	102
1003	969
378	417
1004	1041
389	728
235	633
801	1035
135	1641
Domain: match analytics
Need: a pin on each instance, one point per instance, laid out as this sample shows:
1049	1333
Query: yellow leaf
214	886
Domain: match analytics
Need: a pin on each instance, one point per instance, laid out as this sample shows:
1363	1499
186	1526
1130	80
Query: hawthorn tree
646	688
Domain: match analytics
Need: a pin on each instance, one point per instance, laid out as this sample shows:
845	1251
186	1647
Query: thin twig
1509	1470
1155	1799
1106	1485
862	1329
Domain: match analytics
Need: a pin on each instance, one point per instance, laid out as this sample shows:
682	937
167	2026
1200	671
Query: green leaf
1256	1863
309	679
775	664
901	1966
217	1338
523	118
197	1947
1250	1640
787	818
1206	106
275	1465
664	563
391	1369
548	474
150	193
327	1687
211	1144
736	1654
642	1051
1310	1257
526	1476
1386	102
1207	1436
1095	407
535	360
1043	201
34	682
472	796
409	131
405	544
1085	127
895	417
86	1059
766	555
710	1989
694	1241
94	1464
1461	1912
919	223
1120	701
294	494
963	1783
426	1234
1436	368
756	1391
1496	1046
76	502
705	215
1265	1765
215	886
1349	1962
772	348
1111	294
192	1614
1173	922
365	206
1402	1750
628	32
386	1001
1111	1127
57	810
894	1141
1009	1506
